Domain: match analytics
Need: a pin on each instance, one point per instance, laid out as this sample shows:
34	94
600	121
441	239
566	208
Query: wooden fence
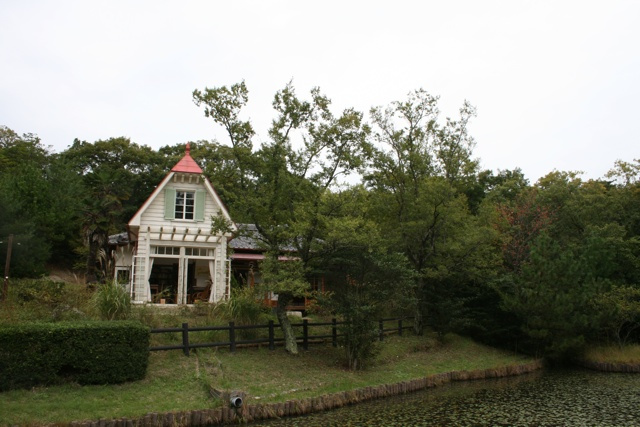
304	339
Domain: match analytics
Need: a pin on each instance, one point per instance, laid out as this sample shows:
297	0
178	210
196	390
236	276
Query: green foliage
34	196
44	300
627	173
244	307
30	251
553	296
283	276
419	174
112	301
473	239
367	283
90	353
286	184
620	311
220	225
43	291
117	177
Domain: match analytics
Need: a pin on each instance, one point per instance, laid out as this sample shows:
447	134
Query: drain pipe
236	401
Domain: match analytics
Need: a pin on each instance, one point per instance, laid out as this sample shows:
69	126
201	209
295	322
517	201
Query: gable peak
187	164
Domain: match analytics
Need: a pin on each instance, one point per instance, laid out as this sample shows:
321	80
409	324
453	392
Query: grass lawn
176	383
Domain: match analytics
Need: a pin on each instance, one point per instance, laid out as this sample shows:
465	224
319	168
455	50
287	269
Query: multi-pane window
165	250
185	202
196	251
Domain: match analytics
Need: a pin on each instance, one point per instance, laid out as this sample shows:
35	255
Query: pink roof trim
187	164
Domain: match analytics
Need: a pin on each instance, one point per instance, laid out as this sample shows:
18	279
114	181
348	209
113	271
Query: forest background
394	210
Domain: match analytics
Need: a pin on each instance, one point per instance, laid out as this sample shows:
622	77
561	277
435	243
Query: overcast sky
556	83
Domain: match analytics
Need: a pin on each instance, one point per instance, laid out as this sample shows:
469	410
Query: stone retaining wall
249	413
611	367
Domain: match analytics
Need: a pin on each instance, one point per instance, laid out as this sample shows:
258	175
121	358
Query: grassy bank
175	382
629	354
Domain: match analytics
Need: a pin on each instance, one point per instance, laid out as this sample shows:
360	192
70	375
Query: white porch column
213	295
182	272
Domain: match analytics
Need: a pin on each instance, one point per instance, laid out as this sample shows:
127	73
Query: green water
548	398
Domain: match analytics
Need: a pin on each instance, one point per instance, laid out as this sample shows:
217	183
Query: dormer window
185	202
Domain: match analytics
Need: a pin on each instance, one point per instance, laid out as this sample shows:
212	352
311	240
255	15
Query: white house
169	253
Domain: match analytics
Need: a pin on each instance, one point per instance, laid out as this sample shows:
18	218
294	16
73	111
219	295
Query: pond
544	398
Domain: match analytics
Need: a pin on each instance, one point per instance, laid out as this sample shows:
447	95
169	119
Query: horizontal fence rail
271	340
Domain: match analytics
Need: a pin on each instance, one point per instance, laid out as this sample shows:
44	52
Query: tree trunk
92	259
281	312
418	326
418	322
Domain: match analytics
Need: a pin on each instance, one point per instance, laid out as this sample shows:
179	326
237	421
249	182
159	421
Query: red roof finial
187	150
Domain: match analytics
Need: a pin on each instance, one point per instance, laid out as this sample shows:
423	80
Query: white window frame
181	205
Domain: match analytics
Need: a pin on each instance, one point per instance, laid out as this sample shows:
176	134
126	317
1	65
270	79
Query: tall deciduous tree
283	180
418	173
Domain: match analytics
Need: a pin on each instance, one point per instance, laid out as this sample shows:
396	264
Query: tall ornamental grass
112	301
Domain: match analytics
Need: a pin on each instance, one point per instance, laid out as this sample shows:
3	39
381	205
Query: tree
138	169
418	172
554	292
368	282
102	207
285	183
620	309
565	242
35	203
520	222
117	177
627	194
626	173
454	148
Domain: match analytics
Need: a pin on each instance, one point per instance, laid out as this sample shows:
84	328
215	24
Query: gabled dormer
185	199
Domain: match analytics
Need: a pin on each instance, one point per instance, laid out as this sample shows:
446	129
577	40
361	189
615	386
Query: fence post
381	329
232	337
400	327
272	344
185	338
334	331
305	334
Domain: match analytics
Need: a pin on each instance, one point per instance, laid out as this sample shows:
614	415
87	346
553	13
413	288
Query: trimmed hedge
86	352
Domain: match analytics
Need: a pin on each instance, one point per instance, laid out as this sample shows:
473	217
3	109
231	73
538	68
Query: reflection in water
548	398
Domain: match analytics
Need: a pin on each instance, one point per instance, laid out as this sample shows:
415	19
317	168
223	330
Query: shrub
44	300
87	352
244	308
44	291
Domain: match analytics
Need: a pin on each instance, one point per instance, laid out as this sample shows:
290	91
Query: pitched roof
249	238
187	164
